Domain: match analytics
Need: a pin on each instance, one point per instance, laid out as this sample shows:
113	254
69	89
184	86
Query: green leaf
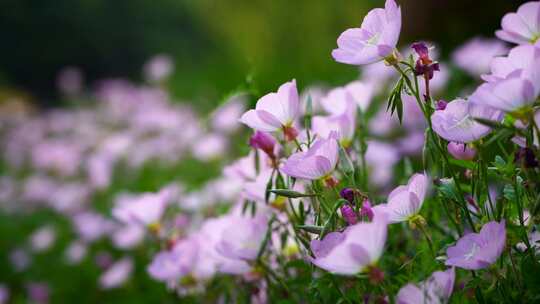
291	193
463	163
311	228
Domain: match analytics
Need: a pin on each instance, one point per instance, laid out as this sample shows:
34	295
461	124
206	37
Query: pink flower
43	238
318	162
158	68
509	94
521	58
275	111
91	226
145	209
437	289
242	237
461	151
405	201
169	266
381	158
344	125
456	123
475	55
116	274
478	250
225	118
523	26
352	251
374	40
4	294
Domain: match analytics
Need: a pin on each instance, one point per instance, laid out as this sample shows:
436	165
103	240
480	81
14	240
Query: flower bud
263	141
441	105
348	194
461	151
349	215
526	158
290	133
366	210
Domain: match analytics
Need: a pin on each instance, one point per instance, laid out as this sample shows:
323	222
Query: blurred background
217	45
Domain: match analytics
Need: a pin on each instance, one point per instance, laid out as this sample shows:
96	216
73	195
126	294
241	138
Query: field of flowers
419	182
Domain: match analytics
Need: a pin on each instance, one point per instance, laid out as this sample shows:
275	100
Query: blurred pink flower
144	209
475	55
242	237
117	274
42	239
75	252
437	289
376	38
225	118
128	236
4	294
158	68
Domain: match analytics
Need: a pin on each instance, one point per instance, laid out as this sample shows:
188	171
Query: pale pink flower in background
60	156
381	158
275	111
20	259
144	209
69	197
343	125
75	252
376	38
4	294
242	237
435	290
91	226
352	251
225	118
42	239
256	190
128	236
158	68
344	99
476	55
405	201
412	143
522	26
317	162
316	93
170	266
117	274
209	147
38	292
211	259
99	169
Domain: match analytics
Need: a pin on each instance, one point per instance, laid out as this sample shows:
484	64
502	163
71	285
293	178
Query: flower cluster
375	191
